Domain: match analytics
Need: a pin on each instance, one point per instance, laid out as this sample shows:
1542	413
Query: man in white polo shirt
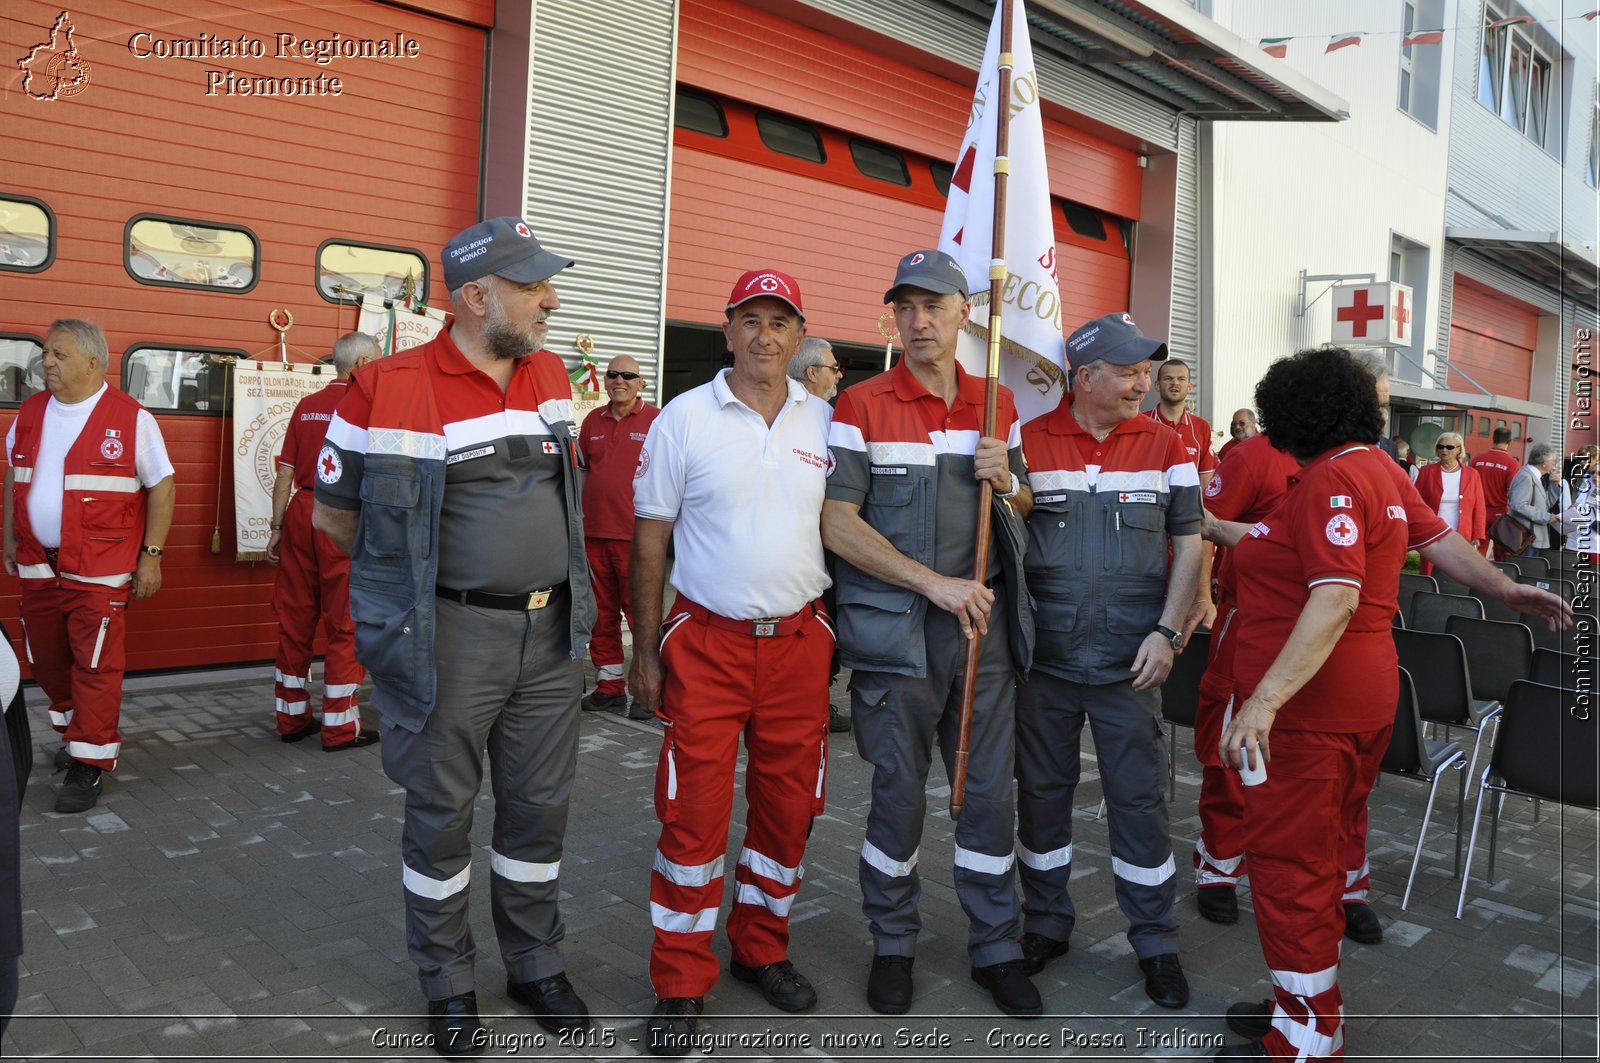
733	473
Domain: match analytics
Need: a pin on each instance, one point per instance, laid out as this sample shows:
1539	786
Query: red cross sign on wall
1372	315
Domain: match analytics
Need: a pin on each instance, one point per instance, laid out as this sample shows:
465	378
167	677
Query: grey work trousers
1133	771
508	682
896	719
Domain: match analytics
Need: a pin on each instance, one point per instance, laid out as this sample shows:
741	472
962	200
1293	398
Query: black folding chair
1556	669
1180	698
1410	584
1414	756
1447	585
1430	611
1532	565
1554	584
1444	693
1543	751
1500	653
1509	567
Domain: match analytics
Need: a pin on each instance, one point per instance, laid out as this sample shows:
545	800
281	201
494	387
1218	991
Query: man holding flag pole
915	463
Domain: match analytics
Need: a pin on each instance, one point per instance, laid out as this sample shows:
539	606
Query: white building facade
1466	170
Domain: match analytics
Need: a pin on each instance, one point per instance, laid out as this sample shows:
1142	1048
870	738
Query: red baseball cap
769	283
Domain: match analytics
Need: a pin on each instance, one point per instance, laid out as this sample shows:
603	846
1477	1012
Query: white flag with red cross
1033	347
1373	315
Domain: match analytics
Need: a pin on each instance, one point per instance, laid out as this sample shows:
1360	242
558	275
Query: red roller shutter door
736	204
1492	337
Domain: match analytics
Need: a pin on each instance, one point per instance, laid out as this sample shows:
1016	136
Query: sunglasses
1446	446
617	374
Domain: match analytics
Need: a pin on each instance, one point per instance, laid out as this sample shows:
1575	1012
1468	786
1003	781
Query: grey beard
507	343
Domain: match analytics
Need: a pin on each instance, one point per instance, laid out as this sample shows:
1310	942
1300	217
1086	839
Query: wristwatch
152	551
1011	492
1174	637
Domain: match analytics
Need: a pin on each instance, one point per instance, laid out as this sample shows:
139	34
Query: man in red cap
733	474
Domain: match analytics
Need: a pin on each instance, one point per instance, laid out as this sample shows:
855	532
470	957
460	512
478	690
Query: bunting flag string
1278	47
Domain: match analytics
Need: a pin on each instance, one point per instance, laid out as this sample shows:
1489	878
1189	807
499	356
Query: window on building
879	162
1421	62
1515	74
1409	265
27	234
184	379
21	366
789	137
943	172
1483	426
190	254
1594	145
1084	221
348	271
699	113
1516	431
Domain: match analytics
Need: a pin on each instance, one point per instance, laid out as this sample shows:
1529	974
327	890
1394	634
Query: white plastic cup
1248	775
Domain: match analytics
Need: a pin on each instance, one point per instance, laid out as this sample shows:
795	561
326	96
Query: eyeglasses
830	368
1446	446
617	374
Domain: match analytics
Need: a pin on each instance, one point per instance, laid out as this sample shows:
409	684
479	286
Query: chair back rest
1180	694
1406	752
1509	567
1556	669
1500	654
1439	661
1410	584
1543	749
1533	566
1451	586
1553	584
1430	611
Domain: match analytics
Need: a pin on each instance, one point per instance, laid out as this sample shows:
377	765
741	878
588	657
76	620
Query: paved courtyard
236	897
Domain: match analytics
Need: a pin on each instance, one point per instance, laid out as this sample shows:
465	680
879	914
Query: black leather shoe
305	732
80	790
1164	982
1219	904
360	741
1361	924
838	719
1013	993
454	1026
1038	950
598	702
1248	1050
636	711
555	1004
889	985
671	1025
63	759
1250	1019
783	987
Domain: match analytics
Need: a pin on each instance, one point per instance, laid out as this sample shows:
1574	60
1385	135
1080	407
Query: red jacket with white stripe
102	500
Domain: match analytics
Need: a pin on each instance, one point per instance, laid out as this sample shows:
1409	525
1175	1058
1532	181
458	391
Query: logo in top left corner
54	69
329	467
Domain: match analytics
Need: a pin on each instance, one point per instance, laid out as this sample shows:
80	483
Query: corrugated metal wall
599	154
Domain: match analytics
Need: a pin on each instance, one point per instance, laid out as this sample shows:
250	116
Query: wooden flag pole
991	395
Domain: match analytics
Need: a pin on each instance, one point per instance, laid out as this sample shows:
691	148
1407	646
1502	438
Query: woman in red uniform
1318	581
1452	489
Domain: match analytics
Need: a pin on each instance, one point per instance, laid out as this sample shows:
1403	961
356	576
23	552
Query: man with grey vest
451	476
901	513
1111	491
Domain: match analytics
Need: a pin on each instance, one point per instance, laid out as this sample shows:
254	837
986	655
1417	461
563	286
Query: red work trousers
314	582
720	683
1219	859
1297	876
608	568
73	637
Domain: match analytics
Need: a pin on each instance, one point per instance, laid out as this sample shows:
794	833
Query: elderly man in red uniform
611	438
90	496
314	574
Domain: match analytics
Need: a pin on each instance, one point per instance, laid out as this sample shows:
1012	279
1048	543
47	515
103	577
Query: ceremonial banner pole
991	394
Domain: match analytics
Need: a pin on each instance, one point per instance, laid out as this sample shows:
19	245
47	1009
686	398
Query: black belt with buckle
516	603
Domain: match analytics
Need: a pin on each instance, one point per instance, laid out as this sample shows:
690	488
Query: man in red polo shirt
611	437
1496	469
1174	385
314	574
